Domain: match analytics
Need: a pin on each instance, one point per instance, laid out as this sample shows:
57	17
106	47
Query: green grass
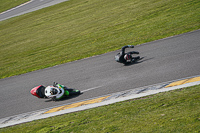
176	111
78	29
8	4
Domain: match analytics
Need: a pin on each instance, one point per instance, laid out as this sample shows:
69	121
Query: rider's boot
135	58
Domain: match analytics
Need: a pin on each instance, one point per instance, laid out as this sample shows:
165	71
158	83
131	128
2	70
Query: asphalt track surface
163	60
30	6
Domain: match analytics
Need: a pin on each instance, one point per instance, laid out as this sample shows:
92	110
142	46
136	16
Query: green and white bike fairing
61	91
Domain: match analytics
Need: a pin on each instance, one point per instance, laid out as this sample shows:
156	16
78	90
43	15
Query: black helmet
53	91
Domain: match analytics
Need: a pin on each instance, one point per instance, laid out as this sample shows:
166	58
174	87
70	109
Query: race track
163	60
30	6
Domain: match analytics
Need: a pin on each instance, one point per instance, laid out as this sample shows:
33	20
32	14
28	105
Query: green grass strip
170	112
8	4
78	29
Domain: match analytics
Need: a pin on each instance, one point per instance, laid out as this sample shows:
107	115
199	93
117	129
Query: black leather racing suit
120	56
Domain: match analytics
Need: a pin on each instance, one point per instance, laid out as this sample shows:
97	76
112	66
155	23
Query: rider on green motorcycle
56	92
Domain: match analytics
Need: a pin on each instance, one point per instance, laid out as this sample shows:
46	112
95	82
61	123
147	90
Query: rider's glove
130	46
55	84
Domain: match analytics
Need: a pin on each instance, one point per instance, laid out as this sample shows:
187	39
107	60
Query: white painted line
91	88
17	7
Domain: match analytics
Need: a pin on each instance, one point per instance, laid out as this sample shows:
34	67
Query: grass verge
8	4
78	29
174	111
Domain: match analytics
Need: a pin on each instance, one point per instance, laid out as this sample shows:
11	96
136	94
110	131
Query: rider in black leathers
125	58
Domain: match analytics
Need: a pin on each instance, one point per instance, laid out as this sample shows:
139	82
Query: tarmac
100	101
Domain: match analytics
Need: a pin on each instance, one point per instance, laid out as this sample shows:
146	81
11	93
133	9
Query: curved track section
30	6
164	60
